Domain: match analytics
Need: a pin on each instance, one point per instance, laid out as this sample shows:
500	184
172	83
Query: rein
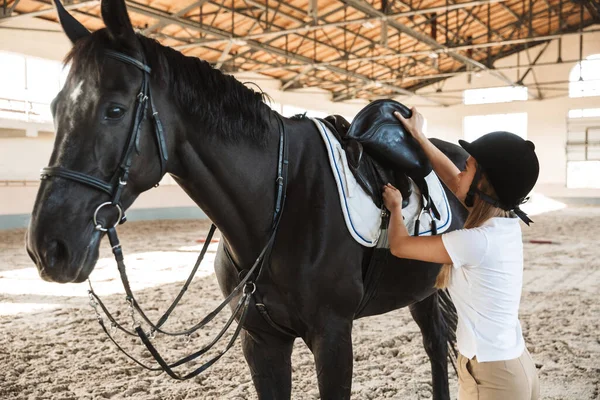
115	187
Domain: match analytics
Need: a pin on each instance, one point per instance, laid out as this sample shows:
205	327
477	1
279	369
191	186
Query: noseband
245	288
114	188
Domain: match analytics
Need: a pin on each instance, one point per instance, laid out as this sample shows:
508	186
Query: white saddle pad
439	199
362	216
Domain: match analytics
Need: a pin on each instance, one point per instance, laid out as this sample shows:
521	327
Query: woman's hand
392	198
414	124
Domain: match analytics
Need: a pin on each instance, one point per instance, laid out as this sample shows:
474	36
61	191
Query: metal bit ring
98	226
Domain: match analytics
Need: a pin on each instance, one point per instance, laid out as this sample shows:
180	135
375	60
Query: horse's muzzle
55	263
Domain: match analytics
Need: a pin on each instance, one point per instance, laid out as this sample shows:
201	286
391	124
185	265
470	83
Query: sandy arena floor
51	346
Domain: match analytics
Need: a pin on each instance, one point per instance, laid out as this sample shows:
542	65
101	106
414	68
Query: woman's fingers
399	116
389	189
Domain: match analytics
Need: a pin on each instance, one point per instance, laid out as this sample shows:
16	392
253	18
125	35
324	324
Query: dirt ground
51	346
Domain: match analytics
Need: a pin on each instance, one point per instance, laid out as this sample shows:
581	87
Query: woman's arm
442	165
402	245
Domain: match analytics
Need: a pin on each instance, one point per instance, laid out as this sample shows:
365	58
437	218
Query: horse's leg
269	359
332	349
428	315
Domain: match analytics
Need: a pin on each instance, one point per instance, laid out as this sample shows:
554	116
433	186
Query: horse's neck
234	184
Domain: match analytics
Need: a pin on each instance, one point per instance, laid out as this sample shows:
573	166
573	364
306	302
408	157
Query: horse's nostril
55	252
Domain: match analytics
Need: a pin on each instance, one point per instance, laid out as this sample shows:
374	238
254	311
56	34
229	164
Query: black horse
223	143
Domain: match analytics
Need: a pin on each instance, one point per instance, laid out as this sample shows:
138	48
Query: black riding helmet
511	166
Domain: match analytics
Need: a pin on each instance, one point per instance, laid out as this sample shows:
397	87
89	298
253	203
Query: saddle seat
380	150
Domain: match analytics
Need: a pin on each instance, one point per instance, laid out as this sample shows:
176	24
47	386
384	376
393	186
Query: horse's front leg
428	315
269	359
331	346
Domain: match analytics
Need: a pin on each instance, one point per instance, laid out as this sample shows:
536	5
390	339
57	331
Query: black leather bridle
114	189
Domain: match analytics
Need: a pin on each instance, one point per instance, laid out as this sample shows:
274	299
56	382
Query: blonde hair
479	214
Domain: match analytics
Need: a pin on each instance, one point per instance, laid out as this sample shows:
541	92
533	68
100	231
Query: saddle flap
354	152
385	138
360	194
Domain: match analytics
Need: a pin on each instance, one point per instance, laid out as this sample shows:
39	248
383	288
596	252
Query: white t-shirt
485	285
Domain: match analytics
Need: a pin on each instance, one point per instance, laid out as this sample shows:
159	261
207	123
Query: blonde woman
483	263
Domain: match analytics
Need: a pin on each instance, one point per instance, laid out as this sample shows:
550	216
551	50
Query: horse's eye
114	112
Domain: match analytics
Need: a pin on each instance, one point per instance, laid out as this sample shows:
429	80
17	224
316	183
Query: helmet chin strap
470	199
474	190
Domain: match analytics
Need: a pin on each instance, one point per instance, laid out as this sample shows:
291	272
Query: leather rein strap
115	187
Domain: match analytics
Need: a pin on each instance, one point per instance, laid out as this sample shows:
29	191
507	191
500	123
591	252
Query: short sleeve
466	246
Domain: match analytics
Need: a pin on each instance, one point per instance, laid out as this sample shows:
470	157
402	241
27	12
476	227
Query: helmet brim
465	145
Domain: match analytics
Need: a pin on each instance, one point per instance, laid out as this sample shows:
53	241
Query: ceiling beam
75	6
6	10
179	13
306	70
558	34
305	27
302	31
535	60
165	16
370	10
536	40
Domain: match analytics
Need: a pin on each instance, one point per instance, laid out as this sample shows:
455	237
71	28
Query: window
495	95
583	174
30	85
43	79
583	149
585	78
12	68
475	126
584	113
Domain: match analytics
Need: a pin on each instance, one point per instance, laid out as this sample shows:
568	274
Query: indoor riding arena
180	114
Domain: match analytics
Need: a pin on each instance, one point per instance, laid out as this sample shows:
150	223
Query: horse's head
97	156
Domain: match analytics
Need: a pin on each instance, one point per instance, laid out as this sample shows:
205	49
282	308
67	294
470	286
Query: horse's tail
449	319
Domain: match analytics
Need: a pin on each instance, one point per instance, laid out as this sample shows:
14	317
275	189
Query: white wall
546	127
51	45
21	158
552	73
546	122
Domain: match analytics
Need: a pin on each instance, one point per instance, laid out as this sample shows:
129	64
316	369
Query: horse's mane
219	103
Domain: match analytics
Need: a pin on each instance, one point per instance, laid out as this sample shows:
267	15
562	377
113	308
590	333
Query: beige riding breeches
515	379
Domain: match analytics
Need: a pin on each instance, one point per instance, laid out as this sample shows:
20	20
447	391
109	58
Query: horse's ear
73	28
116	19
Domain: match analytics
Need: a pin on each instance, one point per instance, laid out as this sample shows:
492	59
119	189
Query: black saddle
380	150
